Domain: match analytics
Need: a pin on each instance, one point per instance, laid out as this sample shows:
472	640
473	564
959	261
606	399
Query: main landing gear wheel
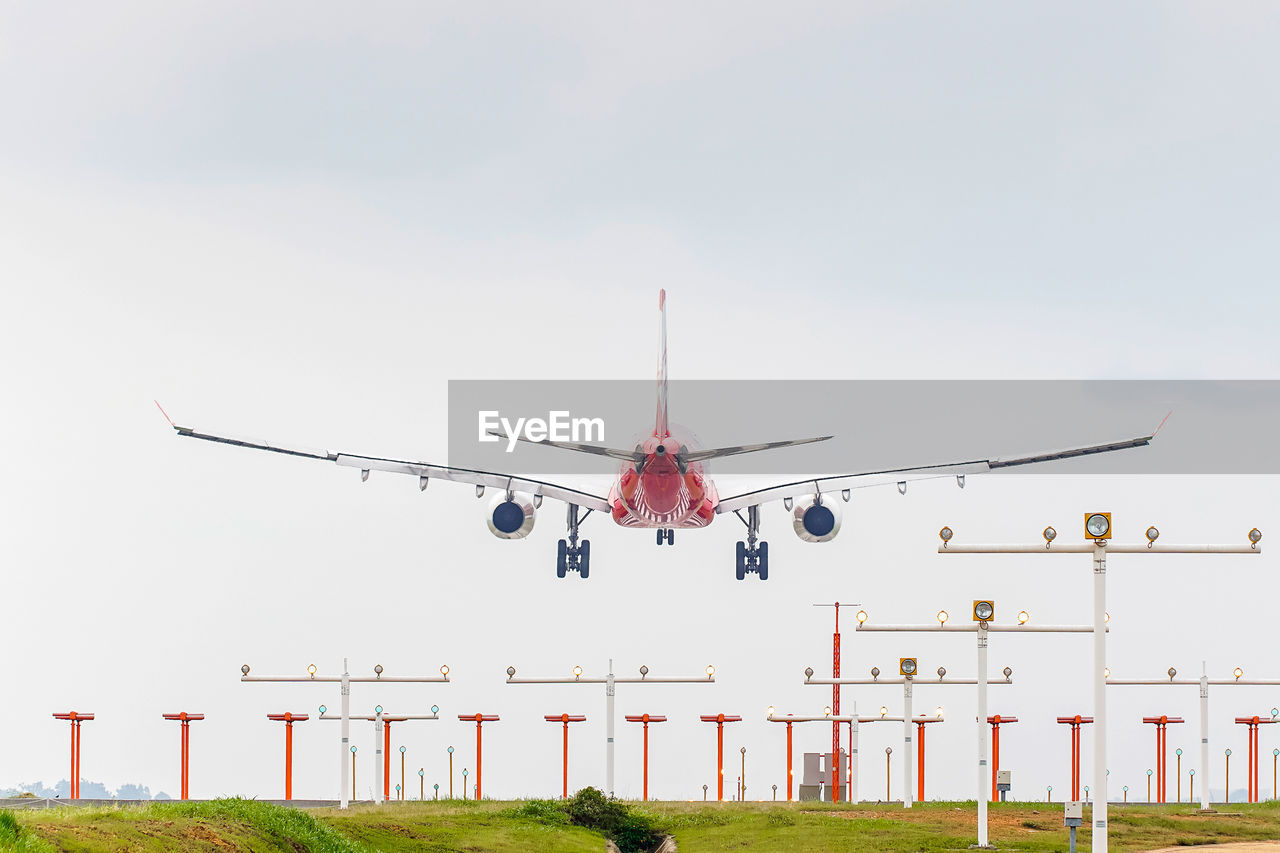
750	556
666	534
570	555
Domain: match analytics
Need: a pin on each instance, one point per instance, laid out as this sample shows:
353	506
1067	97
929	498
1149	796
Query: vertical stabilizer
660	428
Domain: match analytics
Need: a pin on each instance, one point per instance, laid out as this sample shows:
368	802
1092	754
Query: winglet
1162	423
166	414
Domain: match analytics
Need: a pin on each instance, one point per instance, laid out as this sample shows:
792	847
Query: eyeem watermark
557	426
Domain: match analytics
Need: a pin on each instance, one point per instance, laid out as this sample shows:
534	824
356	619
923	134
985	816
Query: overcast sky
299	221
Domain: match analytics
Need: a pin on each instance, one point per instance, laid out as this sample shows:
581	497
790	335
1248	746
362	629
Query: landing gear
666	534
570	555
751	557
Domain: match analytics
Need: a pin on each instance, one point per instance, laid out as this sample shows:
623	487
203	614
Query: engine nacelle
513	518
816	519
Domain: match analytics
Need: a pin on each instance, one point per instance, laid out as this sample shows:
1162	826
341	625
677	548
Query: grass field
504	827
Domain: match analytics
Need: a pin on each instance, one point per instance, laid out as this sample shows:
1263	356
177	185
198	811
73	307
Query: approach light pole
345	681
382	741
566	719
646	719
610	715
184	762
719	720
1162	755
907	668
75	718
480	720
1253	723
288	718
1097	535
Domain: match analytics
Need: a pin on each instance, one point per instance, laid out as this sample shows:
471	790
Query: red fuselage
663	492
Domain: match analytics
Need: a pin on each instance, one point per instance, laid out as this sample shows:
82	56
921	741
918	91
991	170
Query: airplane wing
423	470
864	479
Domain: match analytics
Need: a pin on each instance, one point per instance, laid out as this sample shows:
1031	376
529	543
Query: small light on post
1255	536
511	672
377	670
862	616
945	535
444	670
808	673
942	672
875	672
1049	535
644	671
943	616
1023	617
711	672
883	711
1008	673
311	670
1238	673
244	670
1172	673
577	672
1152	535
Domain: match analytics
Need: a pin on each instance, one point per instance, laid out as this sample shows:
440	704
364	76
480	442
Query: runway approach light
311	670
1238	673
770	711
945	534
1097	526
907	666
984	611
377	709
577	672
377	670
875	672
435	709
511	672
884	711
826	711
1008	673
943	616
1152	535
1172	673
322	710
942	672
1255	536
1106	672
1023	617
862	616
711	671
808	673
937	712
1049	534
644	670
444	670
244	670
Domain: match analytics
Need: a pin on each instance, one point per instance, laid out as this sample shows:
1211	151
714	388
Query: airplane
662	484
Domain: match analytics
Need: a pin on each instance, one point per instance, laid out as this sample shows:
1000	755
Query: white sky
300	221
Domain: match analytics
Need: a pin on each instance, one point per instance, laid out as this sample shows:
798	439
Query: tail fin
661	427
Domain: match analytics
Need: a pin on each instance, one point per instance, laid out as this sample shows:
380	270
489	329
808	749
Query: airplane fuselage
660	492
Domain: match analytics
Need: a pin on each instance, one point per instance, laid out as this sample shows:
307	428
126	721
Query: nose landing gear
572	556
666	534
750	556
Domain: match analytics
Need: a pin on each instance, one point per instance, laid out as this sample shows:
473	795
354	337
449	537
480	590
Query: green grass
508	827
242	824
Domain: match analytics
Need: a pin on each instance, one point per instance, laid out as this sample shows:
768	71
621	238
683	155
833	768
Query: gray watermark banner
1216	426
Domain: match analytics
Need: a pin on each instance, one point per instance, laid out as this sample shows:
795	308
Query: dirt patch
1236	847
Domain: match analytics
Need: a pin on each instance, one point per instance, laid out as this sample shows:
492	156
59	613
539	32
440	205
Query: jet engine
816	519
511	517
